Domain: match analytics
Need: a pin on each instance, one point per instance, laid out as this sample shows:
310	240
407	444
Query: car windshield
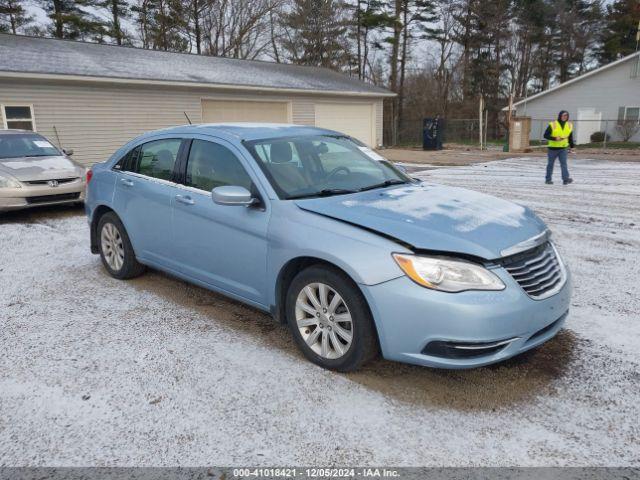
311	166
25	145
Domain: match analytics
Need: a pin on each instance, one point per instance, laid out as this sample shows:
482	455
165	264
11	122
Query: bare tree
238	28
627	129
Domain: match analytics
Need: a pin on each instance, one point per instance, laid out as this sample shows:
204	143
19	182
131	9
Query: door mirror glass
232	195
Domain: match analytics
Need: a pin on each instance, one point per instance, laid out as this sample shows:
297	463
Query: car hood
435	217
40	168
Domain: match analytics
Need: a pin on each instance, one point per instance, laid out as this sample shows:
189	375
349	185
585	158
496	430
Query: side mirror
67	151
232	195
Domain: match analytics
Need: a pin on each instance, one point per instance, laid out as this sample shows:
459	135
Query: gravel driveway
95	371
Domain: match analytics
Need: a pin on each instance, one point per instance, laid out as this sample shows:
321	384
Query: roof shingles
34	55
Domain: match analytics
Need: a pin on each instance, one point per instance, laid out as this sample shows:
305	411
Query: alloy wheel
112	246
324	320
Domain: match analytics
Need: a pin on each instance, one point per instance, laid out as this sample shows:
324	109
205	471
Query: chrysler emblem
52	183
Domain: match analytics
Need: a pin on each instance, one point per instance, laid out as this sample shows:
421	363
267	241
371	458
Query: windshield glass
308	166
25	145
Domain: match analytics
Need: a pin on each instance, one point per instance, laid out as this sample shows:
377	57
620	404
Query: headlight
8	182
447	274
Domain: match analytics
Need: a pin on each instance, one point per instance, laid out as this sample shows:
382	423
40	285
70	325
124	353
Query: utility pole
480	111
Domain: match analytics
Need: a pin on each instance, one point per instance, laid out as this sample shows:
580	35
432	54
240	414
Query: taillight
89	175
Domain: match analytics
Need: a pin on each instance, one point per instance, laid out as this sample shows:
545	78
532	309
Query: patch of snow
153	371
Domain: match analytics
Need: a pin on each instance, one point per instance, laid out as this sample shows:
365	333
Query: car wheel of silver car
330	320
116	251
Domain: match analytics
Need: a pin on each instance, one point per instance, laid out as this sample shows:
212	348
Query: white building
597	101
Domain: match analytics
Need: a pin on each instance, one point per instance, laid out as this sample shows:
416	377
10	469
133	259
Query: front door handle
126	182
185	199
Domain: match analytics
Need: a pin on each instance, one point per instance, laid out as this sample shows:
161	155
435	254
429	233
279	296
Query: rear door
144	192
221	245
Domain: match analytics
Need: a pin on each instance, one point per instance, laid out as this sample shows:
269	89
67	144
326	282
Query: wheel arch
289	271
98	212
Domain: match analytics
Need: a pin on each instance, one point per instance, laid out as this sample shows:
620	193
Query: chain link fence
591	133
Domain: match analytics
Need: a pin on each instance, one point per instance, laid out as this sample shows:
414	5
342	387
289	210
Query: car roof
246	131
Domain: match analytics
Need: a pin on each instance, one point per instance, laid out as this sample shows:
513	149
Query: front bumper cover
409	318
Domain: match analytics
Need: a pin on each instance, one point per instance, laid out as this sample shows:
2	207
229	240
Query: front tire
116	251
330	319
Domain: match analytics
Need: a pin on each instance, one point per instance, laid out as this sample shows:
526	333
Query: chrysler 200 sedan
332	239
33	172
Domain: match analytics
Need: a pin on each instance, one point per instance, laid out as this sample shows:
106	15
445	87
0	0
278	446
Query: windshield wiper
386	183
327	192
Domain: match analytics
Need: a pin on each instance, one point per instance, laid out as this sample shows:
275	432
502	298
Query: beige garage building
93	98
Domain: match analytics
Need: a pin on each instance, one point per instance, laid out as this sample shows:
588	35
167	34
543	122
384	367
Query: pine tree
370	17
118	12
71	19
169	23
161	23
13	16
619	35
317	33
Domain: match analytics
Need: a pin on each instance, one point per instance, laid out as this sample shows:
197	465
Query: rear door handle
126	182
185	199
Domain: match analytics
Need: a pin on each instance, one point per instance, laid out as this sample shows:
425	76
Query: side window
155	159
212	165
127	160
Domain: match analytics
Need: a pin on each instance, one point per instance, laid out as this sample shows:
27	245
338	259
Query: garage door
354	120
217	111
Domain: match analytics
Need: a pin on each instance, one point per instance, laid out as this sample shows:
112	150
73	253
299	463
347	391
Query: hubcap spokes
324	320
112	246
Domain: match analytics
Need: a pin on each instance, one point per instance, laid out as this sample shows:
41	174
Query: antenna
55	130
188	119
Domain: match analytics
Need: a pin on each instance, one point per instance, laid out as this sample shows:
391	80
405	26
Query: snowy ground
94	371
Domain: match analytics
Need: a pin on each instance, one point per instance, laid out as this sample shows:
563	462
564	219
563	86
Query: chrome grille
61	181
538	271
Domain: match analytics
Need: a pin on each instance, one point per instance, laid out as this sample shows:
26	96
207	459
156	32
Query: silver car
34	172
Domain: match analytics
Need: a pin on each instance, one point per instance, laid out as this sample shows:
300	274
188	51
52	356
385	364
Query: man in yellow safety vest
559	134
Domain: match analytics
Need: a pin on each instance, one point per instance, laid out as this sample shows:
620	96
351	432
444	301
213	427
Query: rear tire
116	251
330	319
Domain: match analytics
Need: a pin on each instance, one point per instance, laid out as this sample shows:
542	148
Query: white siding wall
605	92
96	119
379	109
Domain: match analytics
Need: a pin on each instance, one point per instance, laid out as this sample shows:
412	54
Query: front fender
294	233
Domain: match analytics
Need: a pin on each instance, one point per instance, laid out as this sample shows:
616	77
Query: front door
224	246
589	121
144	192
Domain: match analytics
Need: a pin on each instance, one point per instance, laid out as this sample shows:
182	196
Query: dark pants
560	154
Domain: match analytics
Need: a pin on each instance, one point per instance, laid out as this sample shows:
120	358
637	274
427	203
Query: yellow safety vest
558	131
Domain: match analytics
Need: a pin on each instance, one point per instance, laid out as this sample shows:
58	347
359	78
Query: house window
632	113
626	114
18	117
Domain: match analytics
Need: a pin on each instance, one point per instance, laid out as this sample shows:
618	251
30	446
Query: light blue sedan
332	239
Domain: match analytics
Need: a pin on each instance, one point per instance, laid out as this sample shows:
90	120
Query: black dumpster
432	133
